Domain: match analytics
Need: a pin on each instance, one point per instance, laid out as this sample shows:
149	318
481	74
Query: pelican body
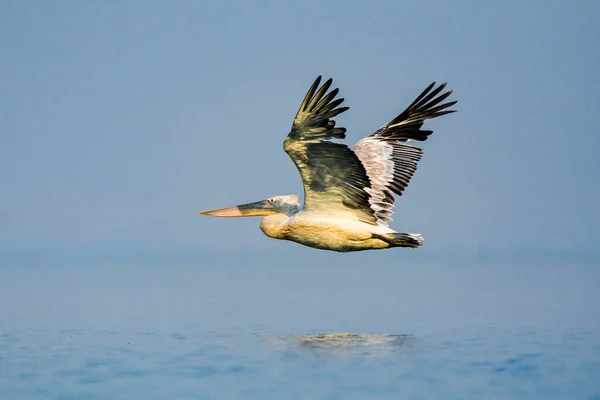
348	193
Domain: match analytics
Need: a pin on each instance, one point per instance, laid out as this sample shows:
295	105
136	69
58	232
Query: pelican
348	194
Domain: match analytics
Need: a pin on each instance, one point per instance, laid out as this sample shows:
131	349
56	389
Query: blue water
275	332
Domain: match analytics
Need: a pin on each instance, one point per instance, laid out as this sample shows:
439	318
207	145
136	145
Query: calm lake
319	331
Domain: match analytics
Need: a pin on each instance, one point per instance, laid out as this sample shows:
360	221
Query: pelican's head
287	205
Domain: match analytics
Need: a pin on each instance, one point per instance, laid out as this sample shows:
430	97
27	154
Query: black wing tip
407	125
322	92
424	106
337	111
319	107
428	88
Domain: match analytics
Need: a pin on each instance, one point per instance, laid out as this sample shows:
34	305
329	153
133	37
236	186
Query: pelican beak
245	210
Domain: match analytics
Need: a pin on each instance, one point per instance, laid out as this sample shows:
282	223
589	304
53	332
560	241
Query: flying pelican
348	194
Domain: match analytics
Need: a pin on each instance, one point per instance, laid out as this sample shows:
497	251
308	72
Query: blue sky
119	121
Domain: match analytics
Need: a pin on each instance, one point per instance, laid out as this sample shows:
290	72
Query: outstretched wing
334	179
390	162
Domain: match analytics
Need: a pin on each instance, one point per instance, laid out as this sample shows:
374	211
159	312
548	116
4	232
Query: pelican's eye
271	200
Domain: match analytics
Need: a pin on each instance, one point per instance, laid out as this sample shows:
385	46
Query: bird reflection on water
345	343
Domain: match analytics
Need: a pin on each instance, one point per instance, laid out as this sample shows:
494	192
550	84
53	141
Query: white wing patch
390	165
389	162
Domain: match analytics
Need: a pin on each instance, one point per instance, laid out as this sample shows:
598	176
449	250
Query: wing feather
407	125
389	161
333	177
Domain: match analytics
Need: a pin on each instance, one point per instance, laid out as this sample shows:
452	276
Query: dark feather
314	119
407	125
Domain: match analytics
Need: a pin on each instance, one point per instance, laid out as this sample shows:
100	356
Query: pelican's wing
388	160
333	177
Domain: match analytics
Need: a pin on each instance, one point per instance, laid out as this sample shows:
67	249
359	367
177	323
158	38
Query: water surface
316	332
